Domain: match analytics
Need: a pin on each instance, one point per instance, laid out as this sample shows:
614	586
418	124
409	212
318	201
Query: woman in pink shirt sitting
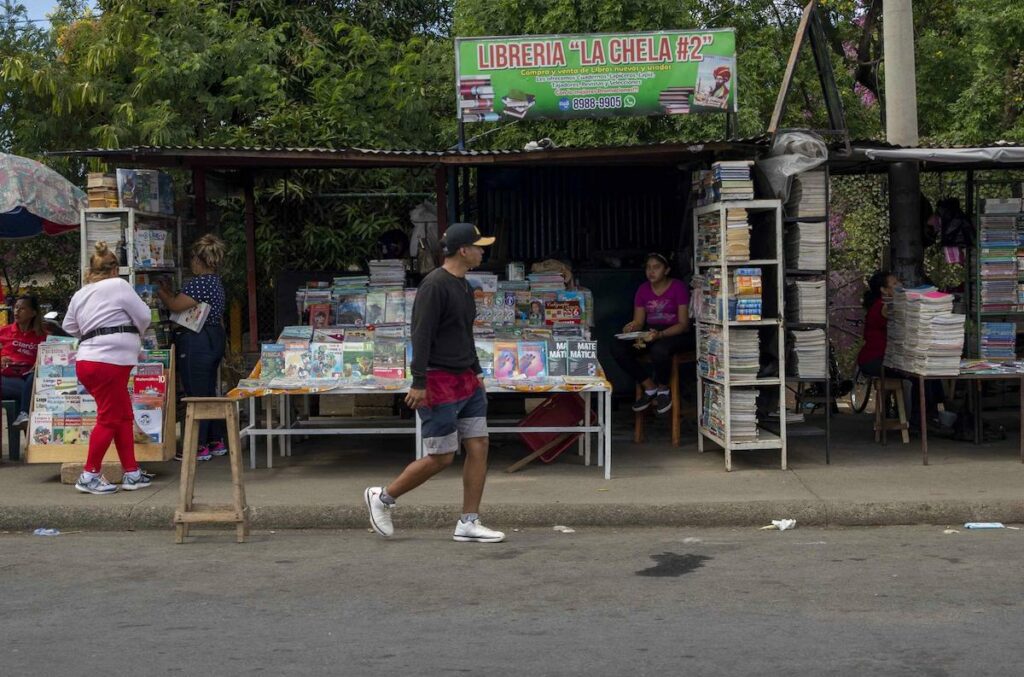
661	309
108	318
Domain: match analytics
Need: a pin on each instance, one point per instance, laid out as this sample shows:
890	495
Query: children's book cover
506	359
352	311
319	315
394	310
376	304
389	358
358	359
327	360
297	363
533	359
272	360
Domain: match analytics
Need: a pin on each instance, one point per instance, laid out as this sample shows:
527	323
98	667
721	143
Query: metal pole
199	189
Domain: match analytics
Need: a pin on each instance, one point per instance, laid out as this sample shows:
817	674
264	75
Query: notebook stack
745	296
744	354
805	245
387	274
807	196
998	341
743	414
997	244
737	235
805	301
732	180
807	353
542	282
925	336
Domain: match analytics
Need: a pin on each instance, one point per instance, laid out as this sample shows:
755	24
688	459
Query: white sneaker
21	421
131	481
380	512
97	485
474	532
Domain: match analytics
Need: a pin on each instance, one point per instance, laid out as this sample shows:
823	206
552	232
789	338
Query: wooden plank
526	460
787	78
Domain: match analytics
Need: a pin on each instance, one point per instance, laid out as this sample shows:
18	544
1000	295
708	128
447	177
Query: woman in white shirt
108	317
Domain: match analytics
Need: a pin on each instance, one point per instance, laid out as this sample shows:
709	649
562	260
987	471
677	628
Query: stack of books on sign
925	336
807	196
476	99
676	100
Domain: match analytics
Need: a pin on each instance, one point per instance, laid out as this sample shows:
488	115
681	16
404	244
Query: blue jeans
19	390
199	356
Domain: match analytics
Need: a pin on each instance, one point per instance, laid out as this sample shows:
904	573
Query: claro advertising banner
601	75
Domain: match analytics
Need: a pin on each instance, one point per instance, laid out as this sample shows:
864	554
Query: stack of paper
387	274
709	351
737	235
807	196
998	341
743	414
541	282
807	353
805	301
805	245
104	229
744	354
924	335
709	238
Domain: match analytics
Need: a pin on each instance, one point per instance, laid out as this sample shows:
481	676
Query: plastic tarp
999	155
792	153
35	199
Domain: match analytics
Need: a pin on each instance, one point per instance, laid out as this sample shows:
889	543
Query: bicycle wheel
861	392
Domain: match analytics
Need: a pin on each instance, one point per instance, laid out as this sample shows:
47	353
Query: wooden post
250	260
199	188
441	188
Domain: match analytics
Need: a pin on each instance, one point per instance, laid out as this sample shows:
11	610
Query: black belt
104	331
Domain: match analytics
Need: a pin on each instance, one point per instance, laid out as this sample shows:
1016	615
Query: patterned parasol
35	199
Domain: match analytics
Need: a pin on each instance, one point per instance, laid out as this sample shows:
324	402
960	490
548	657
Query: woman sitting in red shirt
19	344
872	353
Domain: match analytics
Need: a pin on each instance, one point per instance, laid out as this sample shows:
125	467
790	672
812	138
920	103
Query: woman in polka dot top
199	353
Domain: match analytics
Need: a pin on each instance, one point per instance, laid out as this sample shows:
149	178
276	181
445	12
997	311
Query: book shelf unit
124	223
796	273
715	377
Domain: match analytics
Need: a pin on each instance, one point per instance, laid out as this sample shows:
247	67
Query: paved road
892	601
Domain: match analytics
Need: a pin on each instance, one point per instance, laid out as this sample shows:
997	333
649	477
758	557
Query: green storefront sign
605	75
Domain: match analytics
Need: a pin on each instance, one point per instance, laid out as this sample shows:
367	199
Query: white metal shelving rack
764	214
130	219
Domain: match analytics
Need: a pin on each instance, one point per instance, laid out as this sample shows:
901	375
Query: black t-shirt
442	326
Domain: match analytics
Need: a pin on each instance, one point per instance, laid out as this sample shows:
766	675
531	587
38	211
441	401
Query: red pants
108	384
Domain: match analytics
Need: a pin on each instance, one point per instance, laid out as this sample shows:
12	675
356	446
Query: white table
286	428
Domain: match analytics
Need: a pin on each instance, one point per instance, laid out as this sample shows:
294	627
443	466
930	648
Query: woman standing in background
200	352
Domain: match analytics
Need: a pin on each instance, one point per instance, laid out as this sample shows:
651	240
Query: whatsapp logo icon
628	101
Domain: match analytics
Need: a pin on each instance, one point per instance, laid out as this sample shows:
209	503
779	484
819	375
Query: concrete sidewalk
653	485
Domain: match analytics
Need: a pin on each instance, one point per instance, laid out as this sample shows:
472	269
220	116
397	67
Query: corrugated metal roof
313	157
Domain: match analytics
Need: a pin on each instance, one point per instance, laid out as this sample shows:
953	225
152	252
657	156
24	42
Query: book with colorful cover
563	312
376	306
533	359
485	353
506	359
351	311
160	355
272	360
147	292
326	360
582	360
319	315
55	371
55	354
394	309
389	358
357	359
149	379
296	362
410	300
408	359
535	313
40	430
522	306
297	331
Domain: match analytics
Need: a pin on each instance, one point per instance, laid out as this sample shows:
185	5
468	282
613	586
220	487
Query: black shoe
662	403
644	402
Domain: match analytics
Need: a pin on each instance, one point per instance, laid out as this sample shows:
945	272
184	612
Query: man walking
447	388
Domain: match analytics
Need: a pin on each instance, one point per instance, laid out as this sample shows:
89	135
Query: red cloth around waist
445	386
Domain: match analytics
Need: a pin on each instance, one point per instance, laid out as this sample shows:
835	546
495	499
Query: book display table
277	404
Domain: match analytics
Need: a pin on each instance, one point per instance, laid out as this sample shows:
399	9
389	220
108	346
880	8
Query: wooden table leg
883	402
922	417
1020	442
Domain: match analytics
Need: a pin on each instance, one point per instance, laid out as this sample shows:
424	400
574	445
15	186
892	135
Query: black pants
660	353
933	393
199	356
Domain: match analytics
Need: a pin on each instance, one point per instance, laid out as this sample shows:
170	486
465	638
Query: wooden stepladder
188	513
